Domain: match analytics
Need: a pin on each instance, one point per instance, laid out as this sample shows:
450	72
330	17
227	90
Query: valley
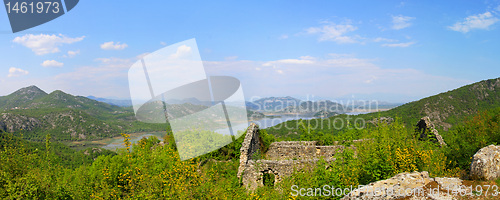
74	141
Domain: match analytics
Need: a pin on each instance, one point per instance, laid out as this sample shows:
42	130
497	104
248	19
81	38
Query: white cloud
405	44
72	54
181	51
107	77
340	55
45	44
380	39
231	58
479	21
163	43
331	77
307	57
52	63
282	37
301	61
114	63
13	72
401	22
335	32
113	46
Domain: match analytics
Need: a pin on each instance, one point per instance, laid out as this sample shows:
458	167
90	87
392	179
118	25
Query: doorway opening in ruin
268	179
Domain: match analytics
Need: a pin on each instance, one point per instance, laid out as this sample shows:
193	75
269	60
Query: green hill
21	97
445	110
449	108
34	113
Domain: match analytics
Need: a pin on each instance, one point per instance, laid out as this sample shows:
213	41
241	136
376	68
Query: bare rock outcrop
381	120
398	186
425	127
415	185
486	164
12	122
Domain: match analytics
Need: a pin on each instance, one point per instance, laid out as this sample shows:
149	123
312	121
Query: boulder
486	164
415	185
399	186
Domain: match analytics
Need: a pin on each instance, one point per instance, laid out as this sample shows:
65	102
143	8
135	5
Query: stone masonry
281	159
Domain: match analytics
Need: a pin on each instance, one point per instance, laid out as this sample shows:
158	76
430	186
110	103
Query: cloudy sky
394	51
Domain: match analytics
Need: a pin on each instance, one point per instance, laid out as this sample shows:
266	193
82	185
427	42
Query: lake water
263	123
356	113
117	142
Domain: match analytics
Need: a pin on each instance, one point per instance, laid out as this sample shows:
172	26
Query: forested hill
35	113
21	97
445	110
449	108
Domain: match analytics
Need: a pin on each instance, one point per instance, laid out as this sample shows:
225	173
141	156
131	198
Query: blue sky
394	51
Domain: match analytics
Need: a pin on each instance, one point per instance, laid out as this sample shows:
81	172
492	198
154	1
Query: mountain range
290	105
116	102
35	113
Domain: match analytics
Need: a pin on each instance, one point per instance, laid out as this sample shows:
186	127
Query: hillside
449	108
35	113
21	97
445	110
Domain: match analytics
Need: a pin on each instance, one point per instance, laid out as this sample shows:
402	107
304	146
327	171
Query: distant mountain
116	102
290	105
314	107
36	113
21	97
272	104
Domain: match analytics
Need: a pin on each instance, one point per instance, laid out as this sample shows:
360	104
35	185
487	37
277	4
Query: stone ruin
281	159
284	158
425	126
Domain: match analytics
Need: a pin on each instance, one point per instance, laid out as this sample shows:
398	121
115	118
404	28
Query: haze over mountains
35	113
116	102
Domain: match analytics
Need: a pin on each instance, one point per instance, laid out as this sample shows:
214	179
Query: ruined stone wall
299	150
282	158
251	145
255	170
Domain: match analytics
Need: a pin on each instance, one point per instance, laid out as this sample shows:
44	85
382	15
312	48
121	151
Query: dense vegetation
153	171
445	110
49	170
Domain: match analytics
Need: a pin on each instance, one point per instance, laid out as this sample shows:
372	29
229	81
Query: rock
415	185
425	126
486	164
13	122
399	186
381	120
450	183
